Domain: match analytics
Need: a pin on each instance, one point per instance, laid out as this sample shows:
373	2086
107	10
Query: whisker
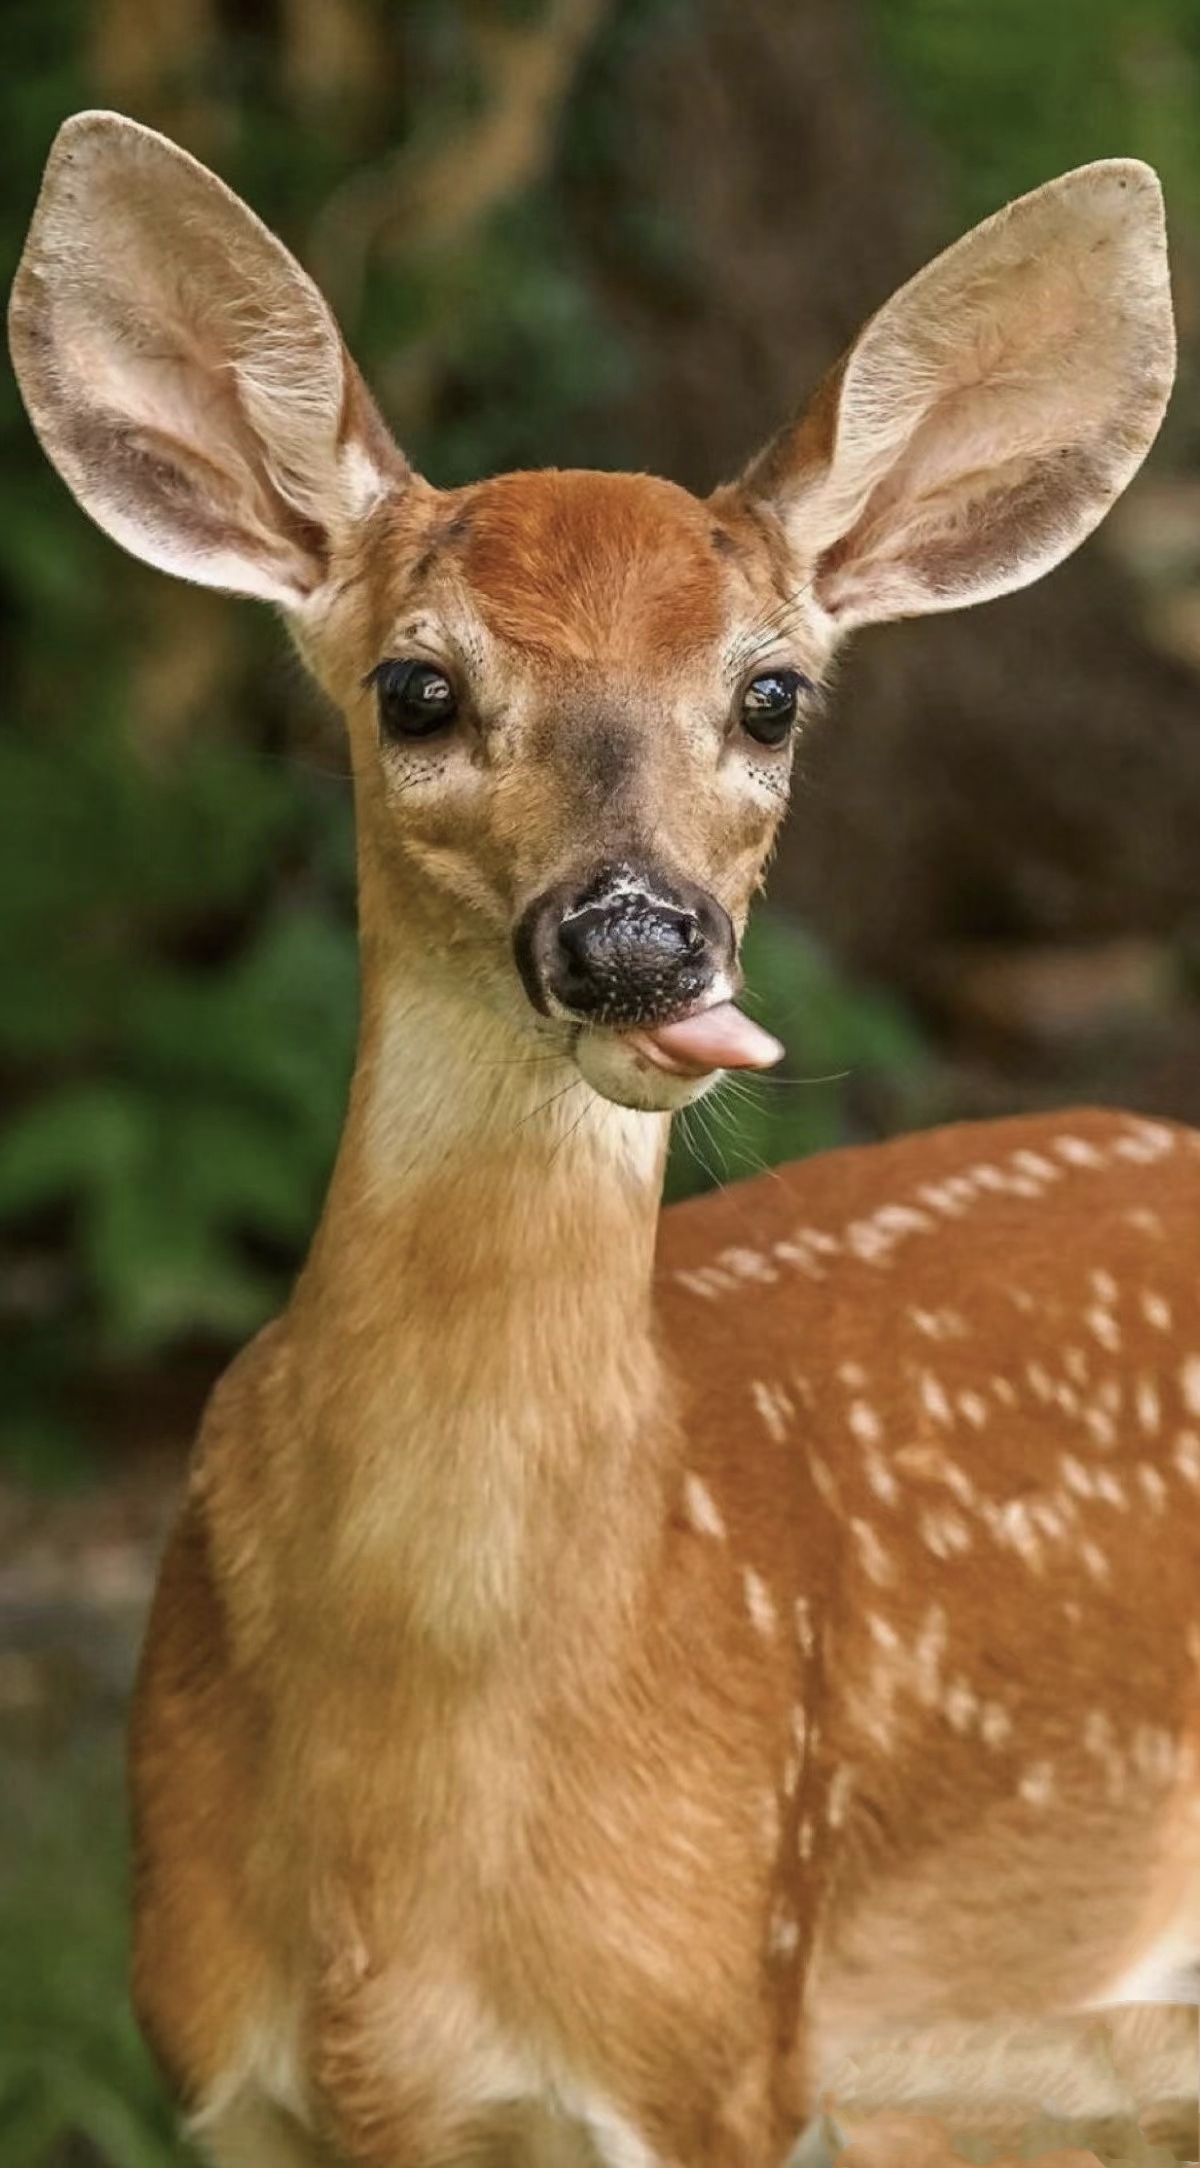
584	1111
522	1061
572	1084
687	1125
296	760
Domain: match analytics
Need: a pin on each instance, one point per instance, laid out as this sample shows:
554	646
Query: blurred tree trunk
1031	772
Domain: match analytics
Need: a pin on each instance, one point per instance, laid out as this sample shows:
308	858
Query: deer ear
983	422
184	374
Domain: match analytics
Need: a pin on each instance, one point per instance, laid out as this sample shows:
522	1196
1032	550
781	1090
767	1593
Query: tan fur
605	1672
1130	2070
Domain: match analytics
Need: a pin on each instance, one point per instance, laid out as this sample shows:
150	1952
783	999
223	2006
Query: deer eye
414	699
769	705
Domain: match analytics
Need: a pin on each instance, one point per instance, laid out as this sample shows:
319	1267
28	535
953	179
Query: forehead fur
578	563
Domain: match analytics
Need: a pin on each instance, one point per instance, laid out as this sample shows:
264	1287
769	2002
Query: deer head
572	697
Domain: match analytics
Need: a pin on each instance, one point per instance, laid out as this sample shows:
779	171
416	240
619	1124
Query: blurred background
608	232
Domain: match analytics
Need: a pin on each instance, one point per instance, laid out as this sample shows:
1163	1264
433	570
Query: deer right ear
184	374
986	418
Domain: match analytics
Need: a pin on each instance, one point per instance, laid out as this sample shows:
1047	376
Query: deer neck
487	1419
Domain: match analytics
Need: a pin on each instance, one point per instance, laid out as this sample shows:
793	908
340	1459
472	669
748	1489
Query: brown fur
571	1822
586	1695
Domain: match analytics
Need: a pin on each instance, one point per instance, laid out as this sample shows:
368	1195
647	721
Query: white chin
619	1073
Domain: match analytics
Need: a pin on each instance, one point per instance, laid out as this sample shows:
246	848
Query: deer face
574	731
572	697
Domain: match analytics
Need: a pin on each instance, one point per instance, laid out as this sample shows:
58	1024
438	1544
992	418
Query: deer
612	1663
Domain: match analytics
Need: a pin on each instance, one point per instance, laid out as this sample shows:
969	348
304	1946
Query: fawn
605	1670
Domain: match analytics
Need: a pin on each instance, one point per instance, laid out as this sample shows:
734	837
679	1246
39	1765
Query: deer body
601	1674
856	1805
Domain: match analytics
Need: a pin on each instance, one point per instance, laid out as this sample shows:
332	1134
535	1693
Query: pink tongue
720	1038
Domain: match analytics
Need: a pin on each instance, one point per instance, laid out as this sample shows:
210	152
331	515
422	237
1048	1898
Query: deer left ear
984	421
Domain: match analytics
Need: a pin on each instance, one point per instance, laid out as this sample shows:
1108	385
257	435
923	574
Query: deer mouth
660	1068
720	1037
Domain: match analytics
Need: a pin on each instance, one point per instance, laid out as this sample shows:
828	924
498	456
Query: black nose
629	952
624	950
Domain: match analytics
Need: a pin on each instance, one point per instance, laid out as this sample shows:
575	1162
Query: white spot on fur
1075	1363
879	1477
1012	1525
701	1508
1048	1519
1111	1489
1077	1152
805	1249
952	1198
1146	1222
1041	1383
960	1705
804	1626
1103	1327
876	1561
822	1476
864	1423
1145	1142
1037	1785
1186	1457
783	1939
1100	1426
748	1265
932	1465
1005	1391
974	1407
928	1651
1153	1486
853	1375
933	1398
1036	1167
775	1407
1156	1310
943	1324
1189	1384
804	1837
759	1603
944	1533
706	1281
882	1632
841	1787
1104	1288
1148	1405
995	1724
1095	1560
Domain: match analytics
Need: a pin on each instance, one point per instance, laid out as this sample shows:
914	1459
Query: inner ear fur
184	374
985	419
